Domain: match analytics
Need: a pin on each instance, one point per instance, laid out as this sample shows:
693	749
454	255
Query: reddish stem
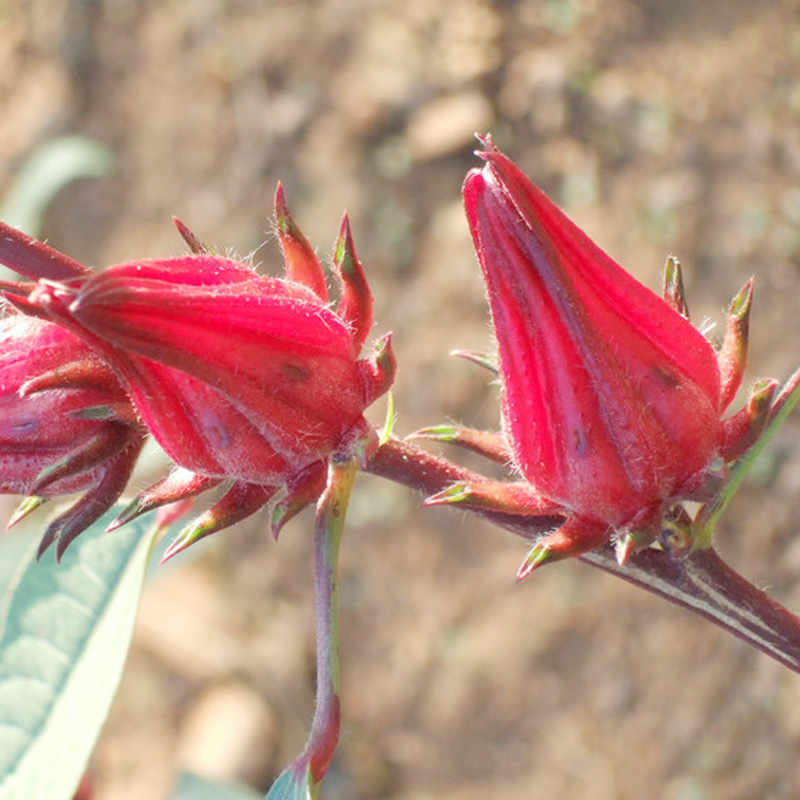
705	584
702	582
34	259
403	463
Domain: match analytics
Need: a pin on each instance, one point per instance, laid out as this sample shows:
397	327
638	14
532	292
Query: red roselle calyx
612	401
251	380
66	425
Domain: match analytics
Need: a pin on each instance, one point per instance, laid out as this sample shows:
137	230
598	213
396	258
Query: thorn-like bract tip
355	306
674	293
27	506
194	244
481	359
537	556
435	433
302	264
281	211
451	495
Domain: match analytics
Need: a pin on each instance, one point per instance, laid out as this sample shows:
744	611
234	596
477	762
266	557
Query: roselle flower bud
66	425
611	400
248	379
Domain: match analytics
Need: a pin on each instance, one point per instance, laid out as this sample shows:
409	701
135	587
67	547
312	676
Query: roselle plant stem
331	510
701	582
705	584
784	404
30	257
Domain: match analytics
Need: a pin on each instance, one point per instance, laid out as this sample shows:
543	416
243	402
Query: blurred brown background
661	127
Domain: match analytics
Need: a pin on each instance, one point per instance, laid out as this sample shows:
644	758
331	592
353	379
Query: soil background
662	127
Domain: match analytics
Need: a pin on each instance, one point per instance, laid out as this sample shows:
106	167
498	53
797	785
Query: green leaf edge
48	169
196	787
52	764
291	786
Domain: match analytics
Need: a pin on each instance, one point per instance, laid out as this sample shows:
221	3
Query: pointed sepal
180	484
709	514
239	502
517	498
93	504
27	506
194	244
16	289
536	557
483	360
378	371
575	537
733	355
301	492
83	372
302	264
742	430
20	303
786	400
630	542
674	293
355	305
93	452
489	444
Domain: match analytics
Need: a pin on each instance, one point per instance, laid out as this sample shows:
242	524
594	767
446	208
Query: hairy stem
331	510
34	259
702	582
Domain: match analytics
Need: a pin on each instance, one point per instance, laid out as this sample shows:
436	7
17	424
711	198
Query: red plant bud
243	378
611	399
65	425
236	375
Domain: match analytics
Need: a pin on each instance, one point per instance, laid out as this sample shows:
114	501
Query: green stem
330	518
710	514
301	780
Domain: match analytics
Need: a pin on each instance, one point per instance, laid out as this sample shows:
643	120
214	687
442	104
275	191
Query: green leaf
195	787
65	635
53	165
291	786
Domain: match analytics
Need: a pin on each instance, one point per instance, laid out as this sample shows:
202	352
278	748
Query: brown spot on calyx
580	441
294	372
665	377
